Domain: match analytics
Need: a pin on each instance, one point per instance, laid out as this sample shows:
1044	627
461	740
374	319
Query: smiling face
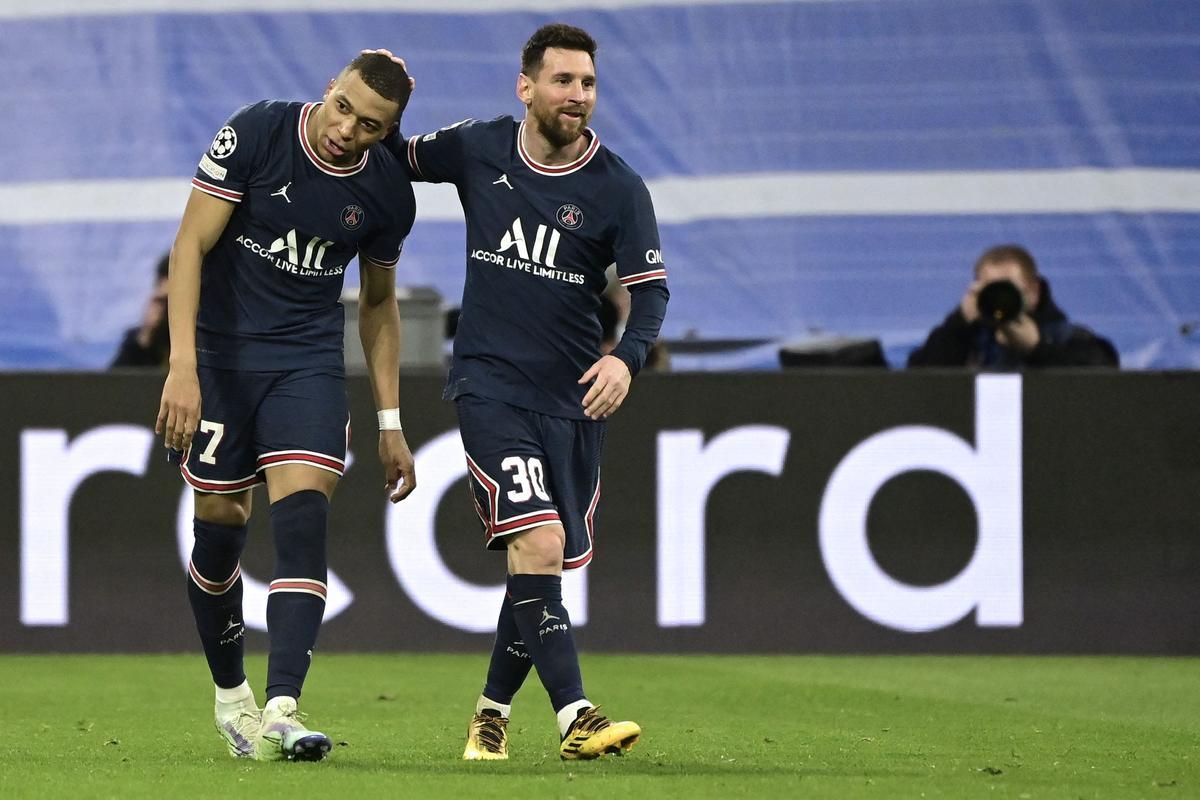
352	118
560	97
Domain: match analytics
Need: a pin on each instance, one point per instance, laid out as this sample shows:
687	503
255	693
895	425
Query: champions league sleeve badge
224	143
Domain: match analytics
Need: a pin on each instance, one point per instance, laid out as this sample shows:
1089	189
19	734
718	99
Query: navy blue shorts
529	469
254	420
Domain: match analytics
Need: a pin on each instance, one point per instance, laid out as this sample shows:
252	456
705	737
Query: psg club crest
224	144
352	217
570	216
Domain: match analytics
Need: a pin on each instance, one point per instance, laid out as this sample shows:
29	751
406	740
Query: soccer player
548	209
285	197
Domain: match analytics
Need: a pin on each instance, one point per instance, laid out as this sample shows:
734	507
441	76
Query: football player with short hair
287	195
548	209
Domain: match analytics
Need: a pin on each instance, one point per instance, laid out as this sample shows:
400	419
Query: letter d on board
990	473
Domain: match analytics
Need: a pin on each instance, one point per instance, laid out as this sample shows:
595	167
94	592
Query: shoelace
246	723
299	716
589	721
247	716
491	731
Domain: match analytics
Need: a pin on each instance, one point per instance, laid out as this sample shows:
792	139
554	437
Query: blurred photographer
148	344
1007	320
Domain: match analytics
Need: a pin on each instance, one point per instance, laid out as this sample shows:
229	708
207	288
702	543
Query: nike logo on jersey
282	192
504	180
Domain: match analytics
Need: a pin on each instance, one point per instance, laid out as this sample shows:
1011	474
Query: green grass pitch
714	726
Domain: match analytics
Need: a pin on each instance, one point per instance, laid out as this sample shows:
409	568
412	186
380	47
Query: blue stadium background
820	168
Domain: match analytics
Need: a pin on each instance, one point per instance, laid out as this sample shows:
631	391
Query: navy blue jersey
539	239
269	288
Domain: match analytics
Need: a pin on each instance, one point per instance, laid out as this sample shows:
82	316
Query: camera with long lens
999	302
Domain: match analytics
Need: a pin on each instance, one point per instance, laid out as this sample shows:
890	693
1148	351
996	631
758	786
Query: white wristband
389	419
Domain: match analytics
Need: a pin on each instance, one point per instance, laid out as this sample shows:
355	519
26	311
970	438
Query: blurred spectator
149	344
1007	320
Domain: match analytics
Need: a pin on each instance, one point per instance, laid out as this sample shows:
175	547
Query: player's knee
222	509
539	550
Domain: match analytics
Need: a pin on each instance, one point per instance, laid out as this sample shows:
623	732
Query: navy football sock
546	630
214	588
296	601
511	661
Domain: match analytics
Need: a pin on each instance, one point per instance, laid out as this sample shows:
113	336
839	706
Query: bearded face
561	124
562	96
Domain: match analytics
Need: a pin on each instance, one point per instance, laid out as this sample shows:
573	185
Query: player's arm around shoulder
204	220
379	330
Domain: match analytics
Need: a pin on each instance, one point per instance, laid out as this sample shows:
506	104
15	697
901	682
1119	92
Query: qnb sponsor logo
514	252
654	257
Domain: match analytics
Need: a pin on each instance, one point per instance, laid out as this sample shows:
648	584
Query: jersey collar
558	169
328	169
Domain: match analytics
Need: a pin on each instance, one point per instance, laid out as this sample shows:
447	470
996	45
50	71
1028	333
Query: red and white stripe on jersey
412	145
589	522
324	166
515	524
217	191
643	277
217	487
301	585
214	587
412	156
381	262
558	169
320	460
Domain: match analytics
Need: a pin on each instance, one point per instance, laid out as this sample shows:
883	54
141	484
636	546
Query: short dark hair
163	268
1003	253
556	34
385	77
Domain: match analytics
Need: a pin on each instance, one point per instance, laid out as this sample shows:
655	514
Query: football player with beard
548	209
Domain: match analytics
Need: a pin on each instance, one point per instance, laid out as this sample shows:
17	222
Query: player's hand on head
382	51
179	409
610	381
398	467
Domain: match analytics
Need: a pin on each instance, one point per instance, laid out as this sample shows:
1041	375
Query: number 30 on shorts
528	477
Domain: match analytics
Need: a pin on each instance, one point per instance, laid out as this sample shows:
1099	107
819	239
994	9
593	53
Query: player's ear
524	88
